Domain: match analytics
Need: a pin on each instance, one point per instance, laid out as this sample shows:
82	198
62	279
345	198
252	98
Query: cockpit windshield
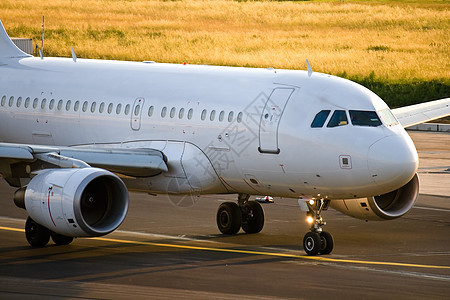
387	117
364	118
320	118
338	118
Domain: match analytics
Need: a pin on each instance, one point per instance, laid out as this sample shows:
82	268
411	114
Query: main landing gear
317	241
246	214
39	236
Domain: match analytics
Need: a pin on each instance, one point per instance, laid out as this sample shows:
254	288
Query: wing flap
130	162
18	152
423	112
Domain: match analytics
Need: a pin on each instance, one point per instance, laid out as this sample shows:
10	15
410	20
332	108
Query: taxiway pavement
163	250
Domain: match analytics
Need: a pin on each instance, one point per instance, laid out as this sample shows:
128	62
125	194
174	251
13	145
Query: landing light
309	219
311	202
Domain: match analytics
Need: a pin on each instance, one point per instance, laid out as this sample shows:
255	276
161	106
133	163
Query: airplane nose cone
393	161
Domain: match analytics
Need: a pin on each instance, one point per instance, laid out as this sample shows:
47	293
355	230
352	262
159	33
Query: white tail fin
7	47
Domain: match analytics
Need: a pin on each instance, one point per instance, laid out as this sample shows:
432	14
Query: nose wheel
317	241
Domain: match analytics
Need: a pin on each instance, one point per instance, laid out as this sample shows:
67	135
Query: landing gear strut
317	241
246	214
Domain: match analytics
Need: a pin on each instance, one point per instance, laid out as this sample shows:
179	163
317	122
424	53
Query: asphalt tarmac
163	250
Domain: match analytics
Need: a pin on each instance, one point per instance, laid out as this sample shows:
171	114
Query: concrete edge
436	127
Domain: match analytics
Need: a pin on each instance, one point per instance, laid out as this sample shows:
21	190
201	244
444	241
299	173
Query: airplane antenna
74	56
309	68
41	51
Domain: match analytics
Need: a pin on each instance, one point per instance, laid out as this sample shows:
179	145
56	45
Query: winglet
309	68
7	48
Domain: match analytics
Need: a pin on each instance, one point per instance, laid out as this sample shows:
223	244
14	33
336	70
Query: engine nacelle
76	202
384	207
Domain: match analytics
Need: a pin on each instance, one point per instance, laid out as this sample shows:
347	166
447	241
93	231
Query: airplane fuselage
222	129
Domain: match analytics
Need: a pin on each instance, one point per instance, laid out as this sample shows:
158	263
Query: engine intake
388	206
76	202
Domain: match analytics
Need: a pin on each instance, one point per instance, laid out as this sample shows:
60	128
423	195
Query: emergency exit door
136	113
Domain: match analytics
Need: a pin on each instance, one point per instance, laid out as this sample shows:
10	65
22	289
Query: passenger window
110	107
85	105
212	115
11	101
150	111
181	113
60	103
339	118
364	118
172	112
76	106
320	118
230	116
164	112
118	108
102	107
221	116
239	117
127	109
52	104
68	104
43	103
3	100
27	102
204	112
190	113
19	101
93	105
35	102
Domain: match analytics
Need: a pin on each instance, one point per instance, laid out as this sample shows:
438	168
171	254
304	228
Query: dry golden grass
396	40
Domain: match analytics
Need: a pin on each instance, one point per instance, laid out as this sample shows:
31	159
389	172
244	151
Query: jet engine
388	206
75	202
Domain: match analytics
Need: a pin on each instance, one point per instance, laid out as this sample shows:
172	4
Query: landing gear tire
229	218
36	234
60	239
317	241
326	242
312	243
252	217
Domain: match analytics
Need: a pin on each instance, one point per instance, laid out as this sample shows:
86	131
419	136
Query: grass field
400	49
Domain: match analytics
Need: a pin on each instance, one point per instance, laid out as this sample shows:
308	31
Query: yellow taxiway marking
316	258
12	229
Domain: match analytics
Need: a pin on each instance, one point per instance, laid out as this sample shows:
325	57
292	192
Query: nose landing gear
317	241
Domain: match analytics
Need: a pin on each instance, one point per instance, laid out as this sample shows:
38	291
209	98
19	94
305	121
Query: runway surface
163	250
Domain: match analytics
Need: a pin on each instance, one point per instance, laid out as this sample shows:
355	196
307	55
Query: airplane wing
130	162
423	112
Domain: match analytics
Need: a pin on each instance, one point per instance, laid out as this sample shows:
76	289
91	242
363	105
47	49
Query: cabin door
270	120
136	113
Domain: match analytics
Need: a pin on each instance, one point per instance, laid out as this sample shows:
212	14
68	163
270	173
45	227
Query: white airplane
77	134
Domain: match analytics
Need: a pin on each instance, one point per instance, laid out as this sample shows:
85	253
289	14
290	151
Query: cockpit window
387	117
364	118
320	118
338	118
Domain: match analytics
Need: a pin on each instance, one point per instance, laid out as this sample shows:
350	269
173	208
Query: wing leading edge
423	112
